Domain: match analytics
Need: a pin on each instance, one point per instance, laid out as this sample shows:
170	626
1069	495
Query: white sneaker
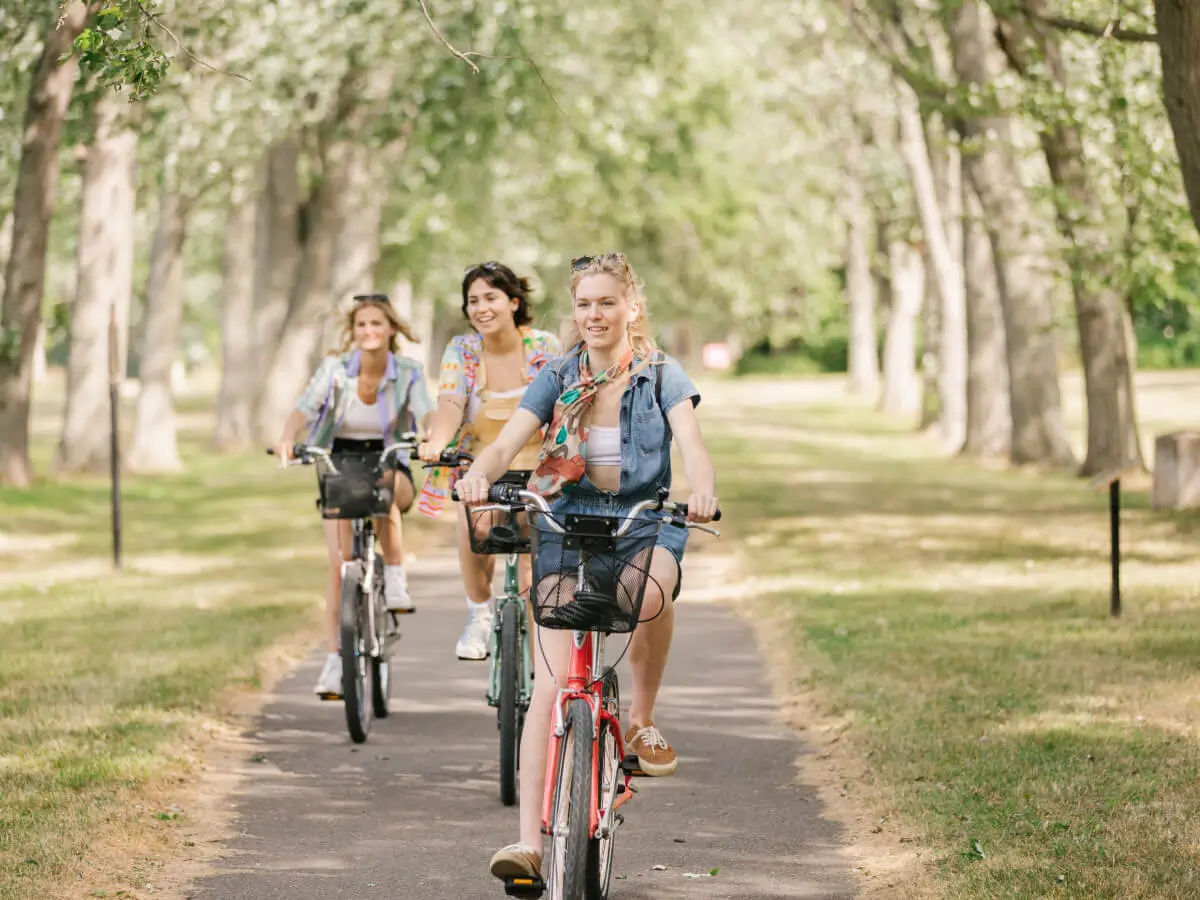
395	588
329	685
473	642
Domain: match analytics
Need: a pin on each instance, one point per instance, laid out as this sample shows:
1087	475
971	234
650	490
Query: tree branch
153	19
1112	29
465	56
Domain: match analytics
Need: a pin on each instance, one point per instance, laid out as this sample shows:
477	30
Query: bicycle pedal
329	697
631	766
524	887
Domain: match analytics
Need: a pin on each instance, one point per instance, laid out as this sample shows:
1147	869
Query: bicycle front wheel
510	677
600	849
356	689
567	862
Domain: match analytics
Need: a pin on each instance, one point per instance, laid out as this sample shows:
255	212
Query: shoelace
652	737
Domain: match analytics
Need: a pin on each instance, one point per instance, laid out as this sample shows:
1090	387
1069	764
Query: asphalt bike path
415	813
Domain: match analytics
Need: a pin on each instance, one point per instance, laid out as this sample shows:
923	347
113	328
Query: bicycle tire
600	851
380	666
510	677
354	676
572	805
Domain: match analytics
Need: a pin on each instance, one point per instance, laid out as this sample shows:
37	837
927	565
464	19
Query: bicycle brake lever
699	527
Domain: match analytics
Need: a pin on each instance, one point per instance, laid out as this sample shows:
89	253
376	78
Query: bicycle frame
585	682
512	595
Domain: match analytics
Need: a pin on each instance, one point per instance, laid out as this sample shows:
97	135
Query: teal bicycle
501	531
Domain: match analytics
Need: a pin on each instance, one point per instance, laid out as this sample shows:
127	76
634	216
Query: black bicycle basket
496	533
615	570
359	490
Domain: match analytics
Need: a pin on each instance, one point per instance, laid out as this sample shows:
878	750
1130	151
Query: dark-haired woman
484	375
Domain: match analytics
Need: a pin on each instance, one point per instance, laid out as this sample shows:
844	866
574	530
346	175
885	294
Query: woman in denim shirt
613	404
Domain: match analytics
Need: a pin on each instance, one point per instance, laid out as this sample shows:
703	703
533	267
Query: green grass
955	622
107	677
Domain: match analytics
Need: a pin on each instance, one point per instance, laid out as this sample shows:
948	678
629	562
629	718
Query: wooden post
1112	480
114	448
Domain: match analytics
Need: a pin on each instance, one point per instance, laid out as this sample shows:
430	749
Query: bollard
1112	480
114	441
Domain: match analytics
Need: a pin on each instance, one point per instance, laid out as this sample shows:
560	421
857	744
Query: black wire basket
497	533
361	489
608	596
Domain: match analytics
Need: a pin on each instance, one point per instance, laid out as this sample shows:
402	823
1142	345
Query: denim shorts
670	537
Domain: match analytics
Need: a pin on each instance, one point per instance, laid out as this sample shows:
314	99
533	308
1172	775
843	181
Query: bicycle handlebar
501	497
303	455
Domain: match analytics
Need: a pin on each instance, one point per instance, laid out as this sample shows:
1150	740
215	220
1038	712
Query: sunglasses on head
579	263
488	267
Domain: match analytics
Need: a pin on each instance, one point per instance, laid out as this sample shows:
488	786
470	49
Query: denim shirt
645	433
403	397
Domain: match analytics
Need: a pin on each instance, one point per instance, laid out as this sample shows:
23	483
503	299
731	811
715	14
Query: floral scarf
564	451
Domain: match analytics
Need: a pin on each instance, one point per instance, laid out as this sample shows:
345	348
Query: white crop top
361	422
604	446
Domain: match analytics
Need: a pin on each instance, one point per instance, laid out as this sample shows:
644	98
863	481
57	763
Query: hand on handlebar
284	451
429	452
472	489
701	508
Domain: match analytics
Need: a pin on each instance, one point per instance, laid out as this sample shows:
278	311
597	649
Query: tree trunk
446	320
952	347
105	286
289	367
154	441
37	177
1178	26
360	212
901	385
235	405
860	284
277	245
1092	258
6	238
989	424
1039	435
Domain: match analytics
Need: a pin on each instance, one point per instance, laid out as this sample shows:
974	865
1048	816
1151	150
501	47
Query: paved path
415	813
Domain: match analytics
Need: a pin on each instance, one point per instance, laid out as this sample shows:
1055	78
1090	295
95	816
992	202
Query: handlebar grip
682	509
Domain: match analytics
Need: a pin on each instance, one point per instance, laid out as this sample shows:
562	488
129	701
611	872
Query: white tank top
361	422
604	446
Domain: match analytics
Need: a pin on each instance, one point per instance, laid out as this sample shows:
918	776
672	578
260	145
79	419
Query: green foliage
115	47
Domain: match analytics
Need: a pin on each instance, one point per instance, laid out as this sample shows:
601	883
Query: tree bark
50	92
105	286
863	350
1039	434
312	295
1178	26
155	448
277	245
901	384
1099	307
235	403
989	423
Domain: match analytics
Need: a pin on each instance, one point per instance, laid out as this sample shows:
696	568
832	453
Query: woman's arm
495	461
697	463
283	447
443	422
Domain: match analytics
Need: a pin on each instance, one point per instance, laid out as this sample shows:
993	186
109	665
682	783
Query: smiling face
372	330
602	313
489	309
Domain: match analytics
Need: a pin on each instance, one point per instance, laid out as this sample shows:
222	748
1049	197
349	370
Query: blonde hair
389	312
616	265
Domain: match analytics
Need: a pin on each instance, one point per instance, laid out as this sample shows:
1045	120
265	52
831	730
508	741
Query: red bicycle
589	577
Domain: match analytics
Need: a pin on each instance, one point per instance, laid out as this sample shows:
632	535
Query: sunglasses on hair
488	267
579	263
372	298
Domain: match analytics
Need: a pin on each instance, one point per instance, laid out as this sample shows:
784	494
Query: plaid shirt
403	398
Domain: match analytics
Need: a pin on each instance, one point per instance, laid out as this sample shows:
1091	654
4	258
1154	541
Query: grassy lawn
107	678
951	625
